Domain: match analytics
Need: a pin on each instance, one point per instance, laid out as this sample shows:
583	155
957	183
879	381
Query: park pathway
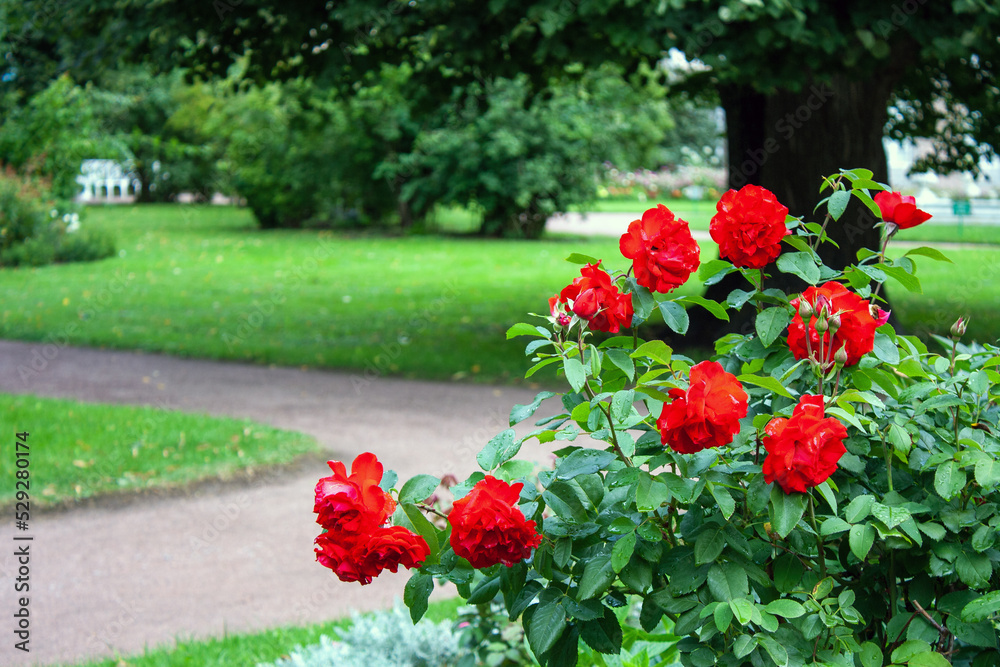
117	576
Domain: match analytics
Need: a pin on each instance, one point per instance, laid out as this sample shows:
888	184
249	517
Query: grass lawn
250	649
204	282
80	450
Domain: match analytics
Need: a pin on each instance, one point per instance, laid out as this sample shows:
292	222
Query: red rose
707	414
803	451
595	298
856	333
488	528
353	504
749	227
662	250
363	557
899	210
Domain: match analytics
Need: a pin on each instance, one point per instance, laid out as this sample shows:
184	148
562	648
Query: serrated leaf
623	361
708	546
521	412
656	350
742	610
885	350
597	576
871	655
499	450
744	646
774	649
546	625
800	264
859	508
770	323
974	569
604	634
890	516
713	268
833	526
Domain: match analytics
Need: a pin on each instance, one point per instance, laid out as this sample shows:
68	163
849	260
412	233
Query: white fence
106	181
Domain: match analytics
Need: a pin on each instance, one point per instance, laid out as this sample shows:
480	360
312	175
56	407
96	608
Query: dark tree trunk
786	142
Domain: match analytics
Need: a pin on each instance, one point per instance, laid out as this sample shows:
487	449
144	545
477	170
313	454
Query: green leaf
982	608
656	350
621	359
604	634
713	307
859	508
724	499
767	382
987	472
861	539
418	488
424	528
907	280
786	608
786	510
828	495
838	203
742	610
712	267
949	480
621	552
744	646
974	569
774	649
708	546
871	655
485	591
910	649
928	660
521	412
675	316
770	323
727	581
890	516
800	264
563	499
597	576
583	462
933	253
885	350
833	525
576	375
577	258
499	450
522	329
546	625
416	592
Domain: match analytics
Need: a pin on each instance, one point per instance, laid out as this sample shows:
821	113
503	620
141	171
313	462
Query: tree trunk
786	142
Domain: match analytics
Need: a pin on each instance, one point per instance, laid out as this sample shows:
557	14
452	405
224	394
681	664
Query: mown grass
250	649
204	282
81	450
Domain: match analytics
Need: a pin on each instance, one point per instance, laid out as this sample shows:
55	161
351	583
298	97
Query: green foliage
892	560
521	157
35	230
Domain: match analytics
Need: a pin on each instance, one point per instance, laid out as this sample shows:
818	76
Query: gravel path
115	577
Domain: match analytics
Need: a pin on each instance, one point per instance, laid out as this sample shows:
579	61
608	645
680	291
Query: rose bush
823	491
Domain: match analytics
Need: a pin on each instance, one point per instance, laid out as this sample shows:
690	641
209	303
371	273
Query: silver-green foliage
382	639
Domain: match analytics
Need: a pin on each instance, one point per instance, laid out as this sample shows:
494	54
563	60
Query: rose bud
805	310
958	328
834	324
841	357
822	324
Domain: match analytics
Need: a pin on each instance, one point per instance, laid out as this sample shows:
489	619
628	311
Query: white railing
106	181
